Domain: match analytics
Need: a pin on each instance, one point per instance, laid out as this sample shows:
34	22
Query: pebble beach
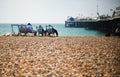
24	56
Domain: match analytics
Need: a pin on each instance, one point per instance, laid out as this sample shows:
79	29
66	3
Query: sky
52	11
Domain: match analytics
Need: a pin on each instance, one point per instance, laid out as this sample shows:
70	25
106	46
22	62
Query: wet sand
59	56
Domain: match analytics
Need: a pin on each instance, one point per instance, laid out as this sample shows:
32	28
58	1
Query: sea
62	30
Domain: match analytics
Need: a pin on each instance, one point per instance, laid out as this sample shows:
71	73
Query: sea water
62	30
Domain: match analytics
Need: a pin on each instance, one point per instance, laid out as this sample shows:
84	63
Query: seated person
29	28
49	28
22	29
40	29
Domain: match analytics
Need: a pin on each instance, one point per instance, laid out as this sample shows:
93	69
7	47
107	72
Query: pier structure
102	23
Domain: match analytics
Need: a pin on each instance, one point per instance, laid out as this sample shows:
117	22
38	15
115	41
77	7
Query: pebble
59	56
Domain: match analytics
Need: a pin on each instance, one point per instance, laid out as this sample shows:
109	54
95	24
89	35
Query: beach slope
59	56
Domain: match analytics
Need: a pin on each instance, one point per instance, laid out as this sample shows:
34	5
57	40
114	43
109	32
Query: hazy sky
51	11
